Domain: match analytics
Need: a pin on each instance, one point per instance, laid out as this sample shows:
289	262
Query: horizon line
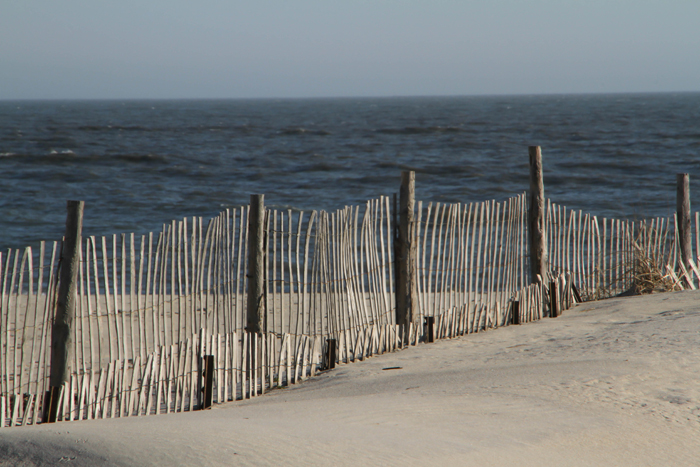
397	96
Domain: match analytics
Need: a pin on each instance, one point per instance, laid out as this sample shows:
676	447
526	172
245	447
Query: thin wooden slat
185	370
16	403
110	399
288	360
123	310
115	282
91	391
132	297
152	381
4	316
99	397
226	369
192	372
3	415
254	363
141	305
141	399
82	397
187	308
133	394
108	313
441	274
419	258
228	273
160	273
192	282
26	367
91	337
175	297
166	311
36	333
235	374
161	377
240	281
472	271
72	415
150	292
492	236
432	270
387	260
220	394
244	365
31	408
10	364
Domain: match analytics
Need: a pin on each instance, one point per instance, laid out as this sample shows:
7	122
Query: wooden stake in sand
683	208
536	211
406	285
66	302
256	265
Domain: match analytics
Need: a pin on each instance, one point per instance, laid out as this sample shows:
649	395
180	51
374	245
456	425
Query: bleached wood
389	257
122	305
366	246
432	259
440	272
67	294
190	382
20	324
27	410
275	283
82	396
245	356
116	315
16	402
305	285
282	352
406	280
180	308
4	336
536	221
33	389
109	397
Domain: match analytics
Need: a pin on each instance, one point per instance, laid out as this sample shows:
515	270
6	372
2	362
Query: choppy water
138	164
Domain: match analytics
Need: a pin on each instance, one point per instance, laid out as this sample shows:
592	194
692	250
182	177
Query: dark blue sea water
138	164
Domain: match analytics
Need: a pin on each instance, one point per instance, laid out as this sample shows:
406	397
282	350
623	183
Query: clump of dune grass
648	274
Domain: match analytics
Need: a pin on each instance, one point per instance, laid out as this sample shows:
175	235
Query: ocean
138	164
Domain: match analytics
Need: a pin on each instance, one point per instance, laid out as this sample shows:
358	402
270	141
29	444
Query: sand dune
615	382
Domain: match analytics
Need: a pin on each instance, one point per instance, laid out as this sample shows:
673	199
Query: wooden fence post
536	220
430	329
255	312
683	208
62	329
207	382
406	281
330	356
553	303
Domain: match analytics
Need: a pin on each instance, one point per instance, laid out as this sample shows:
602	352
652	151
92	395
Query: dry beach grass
613	382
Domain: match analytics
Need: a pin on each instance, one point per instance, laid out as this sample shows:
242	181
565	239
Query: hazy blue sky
299	48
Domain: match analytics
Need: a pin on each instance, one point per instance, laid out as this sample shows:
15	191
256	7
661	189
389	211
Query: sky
127	49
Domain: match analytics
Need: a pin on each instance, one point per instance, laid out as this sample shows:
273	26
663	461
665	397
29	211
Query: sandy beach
614	382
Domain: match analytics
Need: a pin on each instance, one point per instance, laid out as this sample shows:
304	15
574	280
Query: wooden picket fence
151	307
606	257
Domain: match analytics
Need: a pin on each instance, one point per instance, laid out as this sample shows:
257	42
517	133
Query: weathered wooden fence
608	257
151	308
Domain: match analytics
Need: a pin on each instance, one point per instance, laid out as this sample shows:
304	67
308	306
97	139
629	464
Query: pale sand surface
615	382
